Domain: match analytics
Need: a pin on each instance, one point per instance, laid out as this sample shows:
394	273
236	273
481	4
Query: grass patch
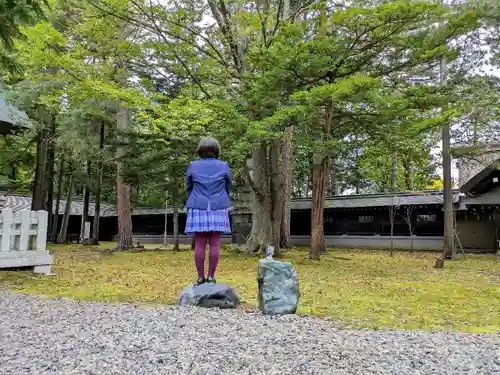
358	288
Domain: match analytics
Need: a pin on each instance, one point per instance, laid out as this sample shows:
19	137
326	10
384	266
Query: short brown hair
208	148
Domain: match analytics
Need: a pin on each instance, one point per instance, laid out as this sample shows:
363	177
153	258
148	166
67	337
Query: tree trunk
38	201
60	181
261	234
175	208
8	145
392	228
287	168
63	233
394	170
320	178
86	203
333	187
449	250
357	173
412	241
310	181
288	183
285	224
277	174
392	215
321	168
123	208
407	167
49	182
97	197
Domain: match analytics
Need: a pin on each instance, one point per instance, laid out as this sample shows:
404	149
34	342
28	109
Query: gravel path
58	336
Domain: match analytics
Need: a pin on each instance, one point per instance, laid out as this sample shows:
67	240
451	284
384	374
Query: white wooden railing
23	240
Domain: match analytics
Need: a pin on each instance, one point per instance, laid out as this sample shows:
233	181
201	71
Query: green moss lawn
358	288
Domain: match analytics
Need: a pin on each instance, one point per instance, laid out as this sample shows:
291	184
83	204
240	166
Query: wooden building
478	215
350	221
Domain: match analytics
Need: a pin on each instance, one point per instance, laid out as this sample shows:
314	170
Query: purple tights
200	242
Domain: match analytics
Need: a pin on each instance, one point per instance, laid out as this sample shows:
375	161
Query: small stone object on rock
269	252
278	287
210	295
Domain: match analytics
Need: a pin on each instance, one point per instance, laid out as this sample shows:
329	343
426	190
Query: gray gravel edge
61	336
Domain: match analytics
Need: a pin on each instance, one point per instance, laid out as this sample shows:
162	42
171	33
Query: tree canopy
307	98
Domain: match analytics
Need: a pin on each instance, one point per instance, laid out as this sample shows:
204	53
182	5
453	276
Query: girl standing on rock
208	182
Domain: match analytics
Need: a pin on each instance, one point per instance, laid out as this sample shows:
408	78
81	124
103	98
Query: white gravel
58	336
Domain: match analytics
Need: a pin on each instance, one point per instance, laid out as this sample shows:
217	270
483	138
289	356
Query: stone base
44	270
41	261
210	295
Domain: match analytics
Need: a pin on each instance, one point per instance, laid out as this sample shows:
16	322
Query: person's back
209	184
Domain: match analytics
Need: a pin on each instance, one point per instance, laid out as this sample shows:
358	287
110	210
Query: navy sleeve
229	177
189	180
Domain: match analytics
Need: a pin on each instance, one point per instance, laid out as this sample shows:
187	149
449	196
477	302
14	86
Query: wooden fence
23	239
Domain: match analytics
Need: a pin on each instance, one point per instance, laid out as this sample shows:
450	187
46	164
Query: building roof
11	116
18	202
490	198
476	168
485	180
379	200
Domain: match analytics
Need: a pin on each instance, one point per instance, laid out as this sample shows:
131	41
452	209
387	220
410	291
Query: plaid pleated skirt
207	221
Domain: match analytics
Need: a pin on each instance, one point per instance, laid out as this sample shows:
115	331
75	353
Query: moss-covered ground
357	288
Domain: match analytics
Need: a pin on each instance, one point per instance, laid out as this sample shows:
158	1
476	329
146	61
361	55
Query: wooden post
41	236
8	218
25	229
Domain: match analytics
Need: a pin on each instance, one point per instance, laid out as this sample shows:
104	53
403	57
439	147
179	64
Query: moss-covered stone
278	287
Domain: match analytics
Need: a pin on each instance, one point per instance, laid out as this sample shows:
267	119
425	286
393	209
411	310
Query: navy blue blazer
208	183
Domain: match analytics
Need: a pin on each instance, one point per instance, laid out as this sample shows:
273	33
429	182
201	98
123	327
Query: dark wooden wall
426	221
